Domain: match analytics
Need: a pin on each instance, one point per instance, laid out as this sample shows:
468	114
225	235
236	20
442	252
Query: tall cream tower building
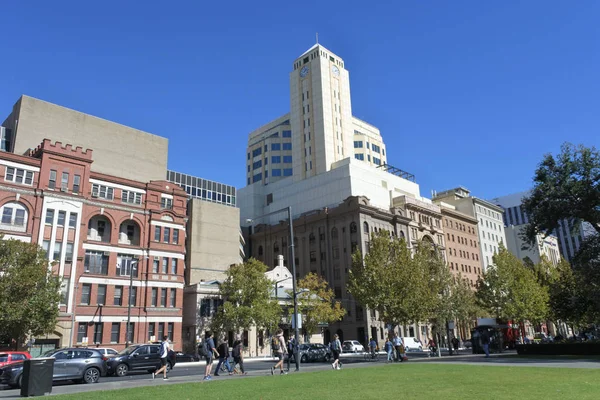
319	130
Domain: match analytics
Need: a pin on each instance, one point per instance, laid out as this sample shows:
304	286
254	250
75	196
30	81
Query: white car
412	344
106	351
352	346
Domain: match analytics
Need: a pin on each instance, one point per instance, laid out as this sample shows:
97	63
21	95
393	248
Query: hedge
556	349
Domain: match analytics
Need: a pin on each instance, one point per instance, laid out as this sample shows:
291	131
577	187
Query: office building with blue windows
204	189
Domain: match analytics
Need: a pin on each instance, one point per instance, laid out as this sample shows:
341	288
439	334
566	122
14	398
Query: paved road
193	372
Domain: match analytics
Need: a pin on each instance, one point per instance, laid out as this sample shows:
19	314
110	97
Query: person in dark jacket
238	355
223	351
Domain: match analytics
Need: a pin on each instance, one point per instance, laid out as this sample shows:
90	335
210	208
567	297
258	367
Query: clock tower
320	112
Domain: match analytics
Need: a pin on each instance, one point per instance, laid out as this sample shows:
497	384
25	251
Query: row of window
358	144
464	254
127	196
55	256
96	263
60	220
459	226
166	236
462	240
18	175
14	214
115	333
168	297
466	268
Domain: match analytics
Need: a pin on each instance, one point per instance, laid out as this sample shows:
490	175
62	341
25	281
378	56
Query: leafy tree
247	300
568	302
464	304
565	187
509	290
586	268
29	292
317	305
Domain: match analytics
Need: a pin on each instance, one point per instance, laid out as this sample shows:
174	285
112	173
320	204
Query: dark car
138	357
79	365
313	352
181	357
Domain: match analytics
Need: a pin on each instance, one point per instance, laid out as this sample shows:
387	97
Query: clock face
335	70
304	71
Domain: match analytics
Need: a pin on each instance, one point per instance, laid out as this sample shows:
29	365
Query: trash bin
37	377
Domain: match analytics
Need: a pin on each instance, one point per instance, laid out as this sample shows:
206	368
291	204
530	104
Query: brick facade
91	224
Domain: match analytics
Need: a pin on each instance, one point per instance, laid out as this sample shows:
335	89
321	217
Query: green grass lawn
398	381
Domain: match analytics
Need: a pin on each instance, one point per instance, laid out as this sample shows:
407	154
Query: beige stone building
118	150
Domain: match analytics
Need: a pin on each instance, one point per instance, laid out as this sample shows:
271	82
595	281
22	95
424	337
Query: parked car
106	351
181	357
8	357
309	352
412	344
71	364
138	357
352	346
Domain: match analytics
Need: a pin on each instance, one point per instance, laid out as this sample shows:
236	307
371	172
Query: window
163	297
64	182
166	234
257	152
115	332
52	180
151	328
275	146
76	183
50	216
257	164
101	297
18	175
166	202
276	172
360	157
257	178
275	159
170	326
287	146
86	290
175	236
101	191
286	133
72	220
69	253
131	197
118	296
57	250
98	332
174	266
287	172
96	262
62	215
375	148
173	298
64	291
14	214
155	265
358	144
154	296
287	159
165	265
133	295
376	161
81	331
365	227
157	233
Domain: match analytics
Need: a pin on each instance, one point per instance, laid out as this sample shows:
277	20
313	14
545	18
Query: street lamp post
293	262
128	326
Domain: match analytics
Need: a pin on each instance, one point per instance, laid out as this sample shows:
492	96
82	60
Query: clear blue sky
468	93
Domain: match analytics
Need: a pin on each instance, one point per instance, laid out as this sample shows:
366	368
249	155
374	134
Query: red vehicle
9	357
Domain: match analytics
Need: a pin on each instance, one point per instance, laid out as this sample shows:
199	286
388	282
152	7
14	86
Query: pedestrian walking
223	350
389	349
372	347
397	343
290	351
238	355
455	344
211	351
485	341
279	350
164	354
336	348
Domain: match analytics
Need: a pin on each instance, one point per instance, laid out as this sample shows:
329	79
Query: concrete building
462	243
92	226
569	235
489	217
547	247
118	150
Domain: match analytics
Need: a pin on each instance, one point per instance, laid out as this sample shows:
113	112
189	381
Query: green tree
586	268
247	300
568	303
565	187
464	304
509	290
29	292
317	304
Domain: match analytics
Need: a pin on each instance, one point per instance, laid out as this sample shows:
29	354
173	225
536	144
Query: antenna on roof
317	37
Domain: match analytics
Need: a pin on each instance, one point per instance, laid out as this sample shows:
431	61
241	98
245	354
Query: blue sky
468	93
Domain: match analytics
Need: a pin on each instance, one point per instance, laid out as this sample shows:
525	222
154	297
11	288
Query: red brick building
93	226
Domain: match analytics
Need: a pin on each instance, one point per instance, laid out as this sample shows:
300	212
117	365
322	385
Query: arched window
260	250
334	233
276	248
402	234
365	227
353	227
14	217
